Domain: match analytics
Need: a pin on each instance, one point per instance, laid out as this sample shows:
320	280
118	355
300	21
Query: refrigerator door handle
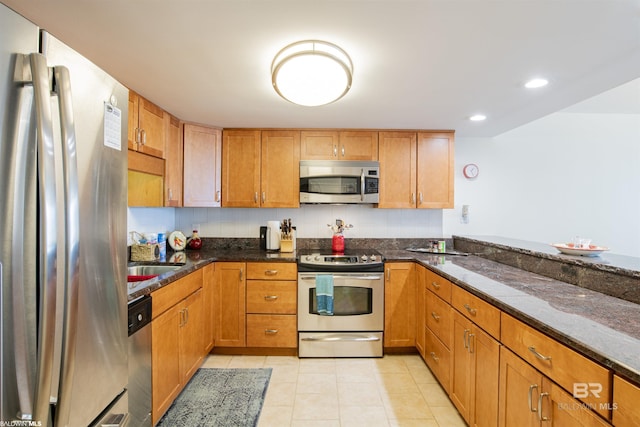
62	86
48	239
23	346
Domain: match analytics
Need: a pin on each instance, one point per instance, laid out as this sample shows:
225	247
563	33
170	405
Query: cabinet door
240	168
209	298
280	171
626	397
319	145
435	170
230	314
397	156
358	145
559	408
133	129
485	377
520	387
462	359
202	166
191	336
151	122
165	357
399	305
173	163
420	308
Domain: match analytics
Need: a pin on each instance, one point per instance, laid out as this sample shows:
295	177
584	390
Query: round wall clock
470	170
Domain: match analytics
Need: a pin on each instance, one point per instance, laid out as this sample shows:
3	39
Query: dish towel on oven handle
324	294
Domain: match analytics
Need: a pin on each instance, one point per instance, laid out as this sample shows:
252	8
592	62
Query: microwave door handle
362	184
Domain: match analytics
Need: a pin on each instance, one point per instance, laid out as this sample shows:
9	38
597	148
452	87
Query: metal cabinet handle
264	196
144	137
531	388
270	297
420	199
538	355
335	151
388	274
471	311
435	285
434	357
435	316
540	397
255	197
413	198
270	331
137	136
270	272
470	342
241	274
343	151
465	338
218	196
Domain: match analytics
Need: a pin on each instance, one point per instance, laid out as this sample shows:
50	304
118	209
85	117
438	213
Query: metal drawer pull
531	388
271	297
540	417
538	355
435	316
471	342
471	311
270	331
435	285
270	272
334	338
434	357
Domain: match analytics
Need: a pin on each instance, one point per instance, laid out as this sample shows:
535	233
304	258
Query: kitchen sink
139	273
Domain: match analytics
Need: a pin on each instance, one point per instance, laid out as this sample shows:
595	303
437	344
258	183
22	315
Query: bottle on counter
194	242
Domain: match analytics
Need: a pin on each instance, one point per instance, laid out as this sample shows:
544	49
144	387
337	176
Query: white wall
564	175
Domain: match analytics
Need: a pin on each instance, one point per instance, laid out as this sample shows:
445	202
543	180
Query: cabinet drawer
171	294
438	285
272	271
561	364
271	330
438	358
438	318
271	296
626	397
480	312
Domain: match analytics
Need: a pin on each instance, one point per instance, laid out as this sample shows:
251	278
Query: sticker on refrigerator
112	127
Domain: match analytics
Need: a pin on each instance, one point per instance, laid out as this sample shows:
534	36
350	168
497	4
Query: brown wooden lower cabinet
438	358
528	398
177	342
399	305
475	372
626	403
230	303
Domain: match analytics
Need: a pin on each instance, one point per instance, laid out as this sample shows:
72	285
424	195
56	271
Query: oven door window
331	185
347	301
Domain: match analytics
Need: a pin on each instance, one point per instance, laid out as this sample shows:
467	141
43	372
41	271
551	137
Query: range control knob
364	258
373	258
317	258
307	258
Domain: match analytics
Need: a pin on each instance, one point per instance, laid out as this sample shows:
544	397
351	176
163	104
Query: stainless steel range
340	304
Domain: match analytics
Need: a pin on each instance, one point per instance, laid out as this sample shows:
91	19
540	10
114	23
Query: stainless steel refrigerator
63	186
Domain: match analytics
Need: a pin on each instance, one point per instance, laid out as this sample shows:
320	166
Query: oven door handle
345	276
342	337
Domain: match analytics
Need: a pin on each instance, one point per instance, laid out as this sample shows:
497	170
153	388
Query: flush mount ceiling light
311	73
478	117
536	83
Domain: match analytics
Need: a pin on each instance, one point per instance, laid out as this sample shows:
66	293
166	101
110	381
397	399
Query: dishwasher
140	362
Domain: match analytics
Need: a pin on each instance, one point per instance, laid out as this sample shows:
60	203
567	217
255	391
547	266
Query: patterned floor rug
220	398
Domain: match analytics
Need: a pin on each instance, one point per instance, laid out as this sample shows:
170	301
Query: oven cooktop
350	260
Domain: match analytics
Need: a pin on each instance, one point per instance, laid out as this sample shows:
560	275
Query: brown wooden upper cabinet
146	132
338	145
260	168
173	165
202	166
416	169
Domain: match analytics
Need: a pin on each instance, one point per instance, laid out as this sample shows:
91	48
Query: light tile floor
396	390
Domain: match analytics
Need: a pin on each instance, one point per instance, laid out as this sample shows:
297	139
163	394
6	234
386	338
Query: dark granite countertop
601	327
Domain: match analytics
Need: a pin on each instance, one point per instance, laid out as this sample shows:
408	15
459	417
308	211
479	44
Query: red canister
337	243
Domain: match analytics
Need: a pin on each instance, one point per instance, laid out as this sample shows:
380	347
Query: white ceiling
423	64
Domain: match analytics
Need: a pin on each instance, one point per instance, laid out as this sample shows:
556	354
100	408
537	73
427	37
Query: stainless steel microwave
339	181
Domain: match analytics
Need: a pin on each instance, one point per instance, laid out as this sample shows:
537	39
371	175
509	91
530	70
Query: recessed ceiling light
477	117
536	83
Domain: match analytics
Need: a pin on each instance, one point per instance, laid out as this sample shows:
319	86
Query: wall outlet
465	214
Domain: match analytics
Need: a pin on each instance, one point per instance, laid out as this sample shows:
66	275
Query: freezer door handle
62	86
48	238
